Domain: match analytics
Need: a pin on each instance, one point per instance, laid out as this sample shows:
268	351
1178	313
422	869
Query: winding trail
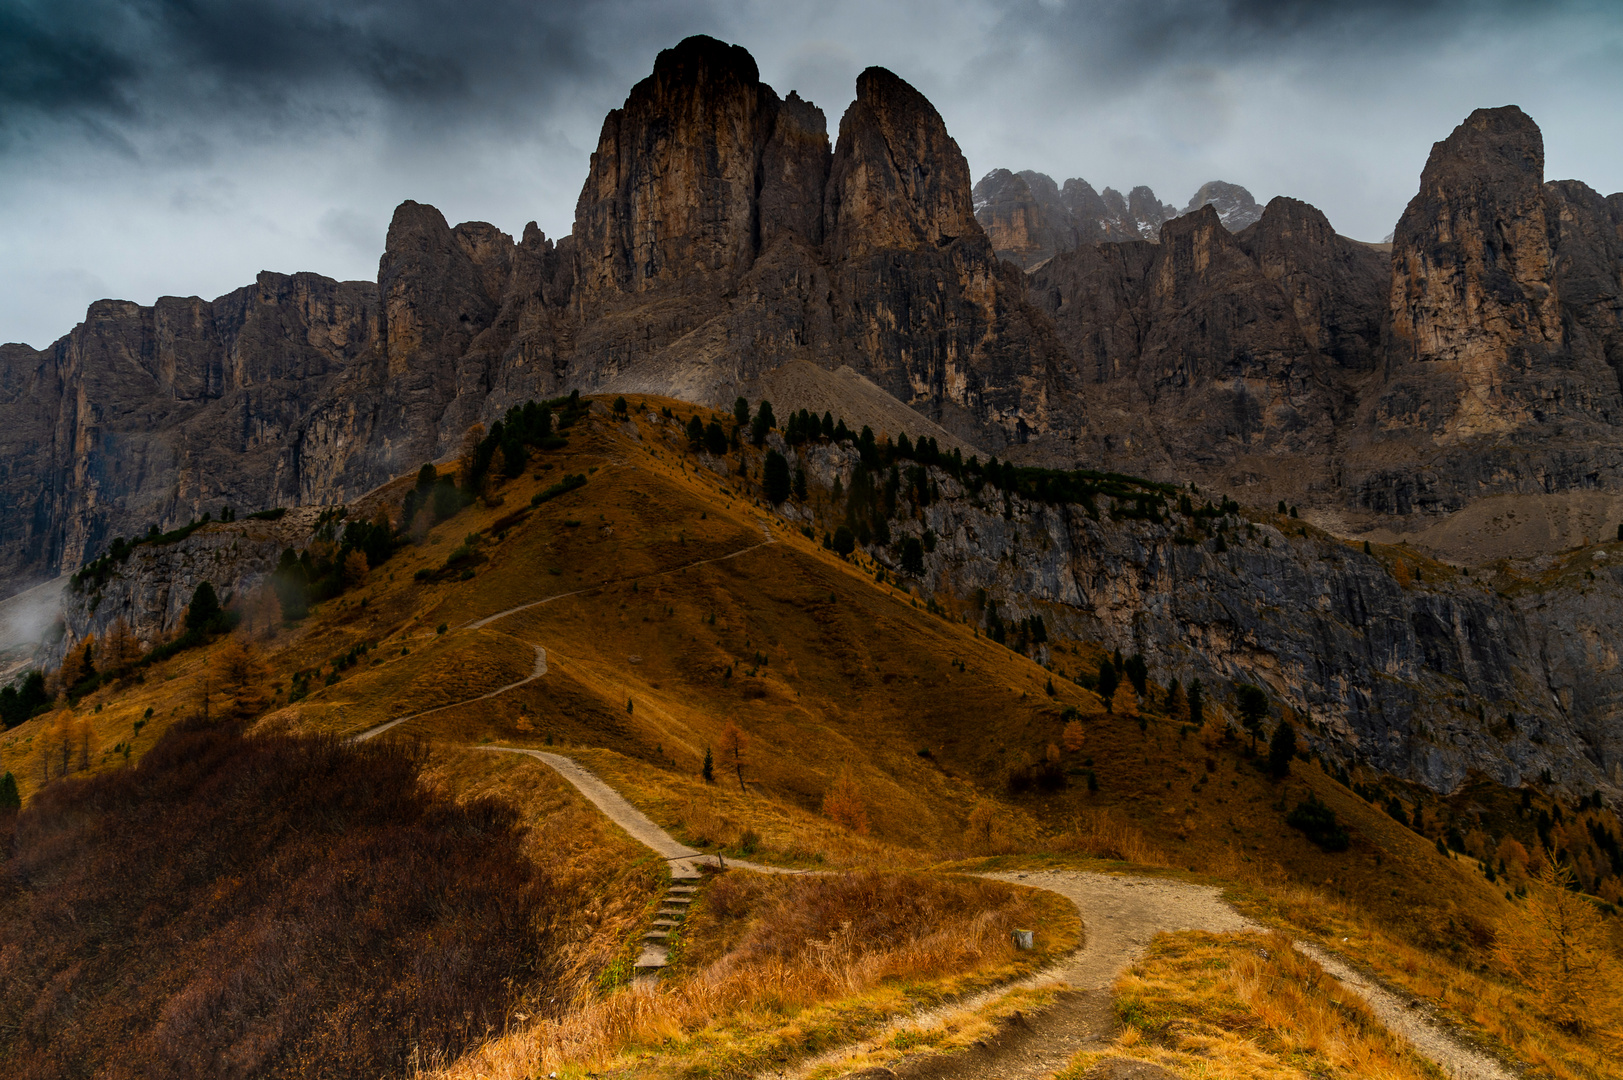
1121	916
540	670
477	624
639	826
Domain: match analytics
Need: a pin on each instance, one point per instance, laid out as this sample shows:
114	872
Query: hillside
667	603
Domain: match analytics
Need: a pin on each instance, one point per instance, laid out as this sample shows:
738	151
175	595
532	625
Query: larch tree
1558	946
356	569
733	744
1124	702
844	806
239	674
1074	736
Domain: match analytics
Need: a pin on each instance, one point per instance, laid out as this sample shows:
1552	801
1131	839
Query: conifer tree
733	744
828	433
1107	682
10	798
741	413
203	613
1281	748
775	482
1253	706
800	483
709	770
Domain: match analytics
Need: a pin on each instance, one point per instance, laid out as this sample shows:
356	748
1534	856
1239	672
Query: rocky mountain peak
1472	257
671	192
1029	218
898	180
1236	208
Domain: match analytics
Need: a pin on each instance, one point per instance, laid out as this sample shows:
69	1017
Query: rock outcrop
1503	352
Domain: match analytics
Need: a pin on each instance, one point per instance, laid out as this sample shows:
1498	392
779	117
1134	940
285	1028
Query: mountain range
1029	218
721	243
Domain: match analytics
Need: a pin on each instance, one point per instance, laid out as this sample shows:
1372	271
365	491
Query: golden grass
1232	1006
1501	1009
792	966
946	1031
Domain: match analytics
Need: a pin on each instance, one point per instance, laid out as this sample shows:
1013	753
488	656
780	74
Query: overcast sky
152	147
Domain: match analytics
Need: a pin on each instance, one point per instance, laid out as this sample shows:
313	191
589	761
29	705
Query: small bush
569	483
1318	823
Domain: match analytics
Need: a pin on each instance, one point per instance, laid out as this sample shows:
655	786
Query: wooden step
677	900
666	924
683	889
656	935
653	958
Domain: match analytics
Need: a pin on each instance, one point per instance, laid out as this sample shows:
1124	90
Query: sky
179	147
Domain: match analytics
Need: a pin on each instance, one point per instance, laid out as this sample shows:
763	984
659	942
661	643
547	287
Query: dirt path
1121	915
1410	1020
639	826
488	619
540	670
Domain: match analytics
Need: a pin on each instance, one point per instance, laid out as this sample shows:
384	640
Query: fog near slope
28	620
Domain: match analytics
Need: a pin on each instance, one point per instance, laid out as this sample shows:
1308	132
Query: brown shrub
270	906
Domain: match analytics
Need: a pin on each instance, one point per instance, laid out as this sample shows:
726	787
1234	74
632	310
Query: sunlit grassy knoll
1247	1006
777	968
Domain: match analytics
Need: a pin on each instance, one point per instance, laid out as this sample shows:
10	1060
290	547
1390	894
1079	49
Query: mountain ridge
720	237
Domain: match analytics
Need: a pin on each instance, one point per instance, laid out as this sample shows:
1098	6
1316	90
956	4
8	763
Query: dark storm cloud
1135	39
156	61
129	63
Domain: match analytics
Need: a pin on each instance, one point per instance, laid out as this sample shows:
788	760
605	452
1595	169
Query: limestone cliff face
898	180
1210	351
670	200
1503	344
154	414
1381	669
